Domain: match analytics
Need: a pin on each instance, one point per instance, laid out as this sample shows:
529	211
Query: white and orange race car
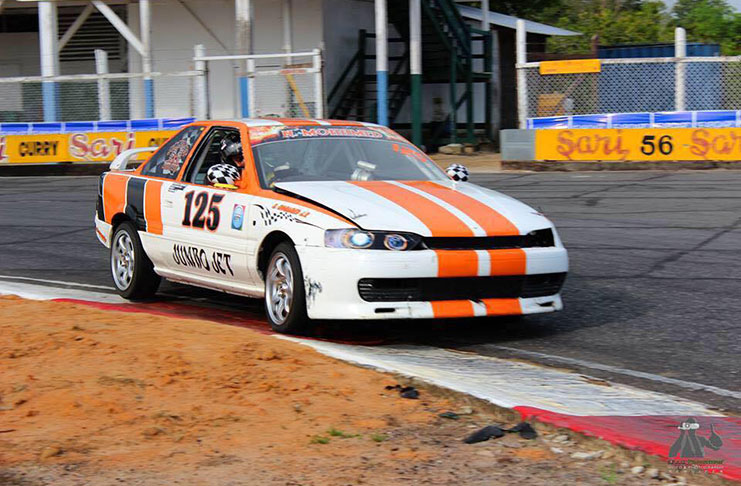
324	220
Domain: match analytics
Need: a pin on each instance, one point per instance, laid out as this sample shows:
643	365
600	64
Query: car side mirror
457	172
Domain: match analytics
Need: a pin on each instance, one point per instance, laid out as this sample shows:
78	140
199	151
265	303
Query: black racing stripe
99	206
135	201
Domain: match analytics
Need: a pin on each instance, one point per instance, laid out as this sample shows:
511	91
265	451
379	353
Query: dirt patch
145	400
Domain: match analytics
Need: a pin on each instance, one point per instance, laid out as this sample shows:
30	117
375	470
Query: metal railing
97	96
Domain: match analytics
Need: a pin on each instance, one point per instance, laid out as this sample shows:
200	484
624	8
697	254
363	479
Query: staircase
447	57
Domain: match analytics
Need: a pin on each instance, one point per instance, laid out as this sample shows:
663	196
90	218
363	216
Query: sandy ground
107	398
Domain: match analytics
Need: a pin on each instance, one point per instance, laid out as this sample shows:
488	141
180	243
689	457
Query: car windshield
340	158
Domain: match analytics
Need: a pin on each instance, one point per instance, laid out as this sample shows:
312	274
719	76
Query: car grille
535	239
459	288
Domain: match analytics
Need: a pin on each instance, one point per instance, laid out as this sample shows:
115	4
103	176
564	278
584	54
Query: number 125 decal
206	210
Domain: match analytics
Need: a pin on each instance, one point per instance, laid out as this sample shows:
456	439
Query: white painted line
56	282
689	385
40	292
510	383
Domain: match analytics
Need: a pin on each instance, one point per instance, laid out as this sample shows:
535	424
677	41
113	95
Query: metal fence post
201	84
251	90
318	84
680	52
521	50
104	88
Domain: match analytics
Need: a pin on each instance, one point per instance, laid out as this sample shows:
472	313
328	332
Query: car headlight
372	240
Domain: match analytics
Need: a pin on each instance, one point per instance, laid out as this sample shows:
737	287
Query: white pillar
288	28
680	52
382	68
48	38
318	84
145	33
243	45
104	90
521	50
200	94
485	15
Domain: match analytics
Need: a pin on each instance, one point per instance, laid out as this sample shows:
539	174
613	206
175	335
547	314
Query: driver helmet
231	152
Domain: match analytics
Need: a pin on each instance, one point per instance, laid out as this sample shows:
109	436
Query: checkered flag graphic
223	174
457	172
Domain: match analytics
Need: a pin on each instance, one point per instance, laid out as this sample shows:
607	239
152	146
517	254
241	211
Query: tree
632	22
710	21
614	21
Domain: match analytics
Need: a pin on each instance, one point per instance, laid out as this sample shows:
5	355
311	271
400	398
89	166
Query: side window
168	160
209	154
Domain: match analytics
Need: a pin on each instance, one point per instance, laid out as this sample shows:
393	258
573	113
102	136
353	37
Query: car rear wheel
285	295
131	269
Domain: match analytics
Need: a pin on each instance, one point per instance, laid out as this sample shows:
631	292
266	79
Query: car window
168	160
209	154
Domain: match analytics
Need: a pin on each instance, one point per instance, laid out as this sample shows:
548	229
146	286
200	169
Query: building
445	65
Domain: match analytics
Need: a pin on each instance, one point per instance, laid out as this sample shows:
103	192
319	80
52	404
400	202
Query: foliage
710	21
632	22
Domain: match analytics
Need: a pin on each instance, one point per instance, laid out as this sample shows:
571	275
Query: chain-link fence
636	85
98	97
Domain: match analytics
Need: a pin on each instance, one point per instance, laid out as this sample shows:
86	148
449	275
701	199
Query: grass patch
319	439
338	433
379	437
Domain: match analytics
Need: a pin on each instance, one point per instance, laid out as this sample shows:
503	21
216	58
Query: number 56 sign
639	144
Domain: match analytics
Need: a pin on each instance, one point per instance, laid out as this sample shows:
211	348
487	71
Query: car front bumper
331	279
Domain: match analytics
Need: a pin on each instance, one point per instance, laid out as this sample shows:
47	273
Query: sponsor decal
291	210
311	132
3	153
99	146
238	217
687	453
194	257
639	144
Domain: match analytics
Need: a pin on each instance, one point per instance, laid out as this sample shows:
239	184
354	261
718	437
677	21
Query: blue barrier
662	119
94	126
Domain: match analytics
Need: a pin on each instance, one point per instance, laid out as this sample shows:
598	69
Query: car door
206	225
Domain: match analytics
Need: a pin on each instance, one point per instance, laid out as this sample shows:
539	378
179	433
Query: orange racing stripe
489	219
508	262
457	263
439	220
153	206
114	195
502	307
442	309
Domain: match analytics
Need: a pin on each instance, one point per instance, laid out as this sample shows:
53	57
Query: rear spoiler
122	160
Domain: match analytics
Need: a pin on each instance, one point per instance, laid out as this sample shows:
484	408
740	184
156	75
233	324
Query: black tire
140	282
295	321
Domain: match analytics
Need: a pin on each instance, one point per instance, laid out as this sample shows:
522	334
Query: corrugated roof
511	22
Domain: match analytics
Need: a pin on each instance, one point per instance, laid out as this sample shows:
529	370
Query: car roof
267	122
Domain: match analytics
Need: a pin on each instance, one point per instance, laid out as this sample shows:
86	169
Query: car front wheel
285	296
131	269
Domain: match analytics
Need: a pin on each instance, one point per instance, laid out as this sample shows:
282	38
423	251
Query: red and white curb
631	417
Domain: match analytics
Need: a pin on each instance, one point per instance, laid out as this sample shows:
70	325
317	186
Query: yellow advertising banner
76	147
33	150
572	66
639	144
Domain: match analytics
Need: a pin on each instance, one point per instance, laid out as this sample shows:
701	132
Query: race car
324	219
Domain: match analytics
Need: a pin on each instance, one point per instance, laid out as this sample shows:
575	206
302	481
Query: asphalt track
652	298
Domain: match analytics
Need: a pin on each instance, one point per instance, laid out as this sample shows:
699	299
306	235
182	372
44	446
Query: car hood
441	208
